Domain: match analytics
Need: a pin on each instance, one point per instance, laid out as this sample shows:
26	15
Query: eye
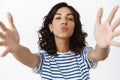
57	18
71	19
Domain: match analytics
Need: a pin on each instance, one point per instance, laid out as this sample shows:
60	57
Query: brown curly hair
46	38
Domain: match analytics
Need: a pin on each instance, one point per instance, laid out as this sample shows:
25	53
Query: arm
10	40
104	34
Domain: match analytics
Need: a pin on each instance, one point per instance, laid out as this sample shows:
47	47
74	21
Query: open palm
104	33
10	37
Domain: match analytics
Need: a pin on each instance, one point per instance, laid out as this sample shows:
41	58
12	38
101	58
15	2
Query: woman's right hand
9	36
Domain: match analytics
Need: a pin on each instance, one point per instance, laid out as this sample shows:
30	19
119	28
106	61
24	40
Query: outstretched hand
104	33
9	36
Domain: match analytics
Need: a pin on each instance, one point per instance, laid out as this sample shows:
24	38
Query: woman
63	52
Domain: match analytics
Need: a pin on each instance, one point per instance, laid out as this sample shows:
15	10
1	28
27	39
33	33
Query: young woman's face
63	23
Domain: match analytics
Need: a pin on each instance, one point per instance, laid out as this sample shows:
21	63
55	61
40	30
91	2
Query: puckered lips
64	28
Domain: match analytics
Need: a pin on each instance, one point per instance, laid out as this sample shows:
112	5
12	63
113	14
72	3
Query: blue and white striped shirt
65	66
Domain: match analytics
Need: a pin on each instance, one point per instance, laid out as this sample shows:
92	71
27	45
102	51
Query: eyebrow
61	14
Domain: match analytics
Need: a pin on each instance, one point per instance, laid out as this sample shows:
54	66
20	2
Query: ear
50	27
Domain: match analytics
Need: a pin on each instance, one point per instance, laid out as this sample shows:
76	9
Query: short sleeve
41	56
85	52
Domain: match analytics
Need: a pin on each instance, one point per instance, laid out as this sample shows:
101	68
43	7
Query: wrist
15	48
103	48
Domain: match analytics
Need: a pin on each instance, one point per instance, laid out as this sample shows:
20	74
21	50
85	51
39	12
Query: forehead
64	10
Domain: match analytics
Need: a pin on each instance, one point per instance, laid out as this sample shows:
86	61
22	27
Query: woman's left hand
104	33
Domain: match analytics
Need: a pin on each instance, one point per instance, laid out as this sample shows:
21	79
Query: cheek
71	30
56	30
72	27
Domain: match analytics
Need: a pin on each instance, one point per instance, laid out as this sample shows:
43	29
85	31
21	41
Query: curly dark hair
46	38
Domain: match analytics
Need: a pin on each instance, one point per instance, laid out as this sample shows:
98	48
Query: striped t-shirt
65	66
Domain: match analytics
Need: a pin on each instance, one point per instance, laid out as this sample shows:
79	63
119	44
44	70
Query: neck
62	45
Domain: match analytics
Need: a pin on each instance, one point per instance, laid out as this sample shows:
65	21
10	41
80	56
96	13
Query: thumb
4	53
10	20
99	15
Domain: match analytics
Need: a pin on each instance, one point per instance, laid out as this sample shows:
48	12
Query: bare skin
103	33
10	40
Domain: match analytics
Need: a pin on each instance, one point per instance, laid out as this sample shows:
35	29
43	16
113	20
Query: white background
28	16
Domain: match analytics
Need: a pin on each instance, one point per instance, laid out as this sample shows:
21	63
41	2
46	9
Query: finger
117	44
5	53
10	20
117	33
2	36
116	24
99	16
111	15
2	26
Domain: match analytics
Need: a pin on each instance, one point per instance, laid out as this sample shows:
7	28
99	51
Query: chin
65	37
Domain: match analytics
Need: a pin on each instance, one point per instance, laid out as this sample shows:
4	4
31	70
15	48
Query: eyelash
71	19
58	18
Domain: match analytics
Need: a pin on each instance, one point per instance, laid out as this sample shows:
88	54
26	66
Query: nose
64	21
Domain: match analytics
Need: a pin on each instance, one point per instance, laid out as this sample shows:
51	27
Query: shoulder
42	53
87	49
